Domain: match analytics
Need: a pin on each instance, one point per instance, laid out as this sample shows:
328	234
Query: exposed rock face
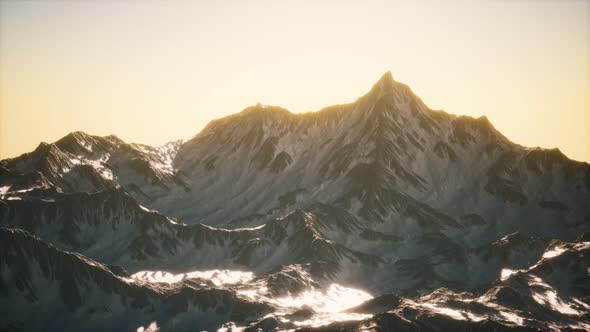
441	218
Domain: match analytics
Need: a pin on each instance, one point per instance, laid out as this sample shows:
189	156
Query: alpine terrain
378	215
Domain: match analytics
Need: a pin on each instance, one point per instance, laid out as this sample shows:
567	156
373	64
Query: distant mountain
426	211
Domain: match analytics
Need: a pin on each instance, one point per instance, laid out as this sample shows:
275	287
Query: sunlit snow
553	252
217	277
549	297
506	273
512	317
153	327
334	299
453	313
4	190
329	305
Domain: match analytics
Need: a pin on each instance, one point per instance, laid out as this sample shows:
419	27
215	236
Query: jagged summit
385	84
386	78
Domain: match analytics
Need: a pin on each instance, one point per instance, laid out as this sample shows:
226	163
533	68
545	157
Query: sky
156	71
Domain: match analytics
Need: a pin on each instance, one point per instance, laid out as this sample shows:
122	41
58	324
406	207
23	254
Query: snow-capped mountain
426	212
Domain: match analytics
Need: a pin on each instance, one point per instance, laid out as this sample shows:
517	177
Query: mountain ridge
382	194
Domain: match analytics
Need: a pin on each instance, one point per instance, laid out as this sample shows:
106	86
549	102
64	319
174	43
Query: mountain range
381	214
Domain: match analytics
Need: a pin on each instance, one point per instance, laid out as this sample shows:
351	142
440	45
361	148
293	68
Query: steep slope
386	158
112	227
69	292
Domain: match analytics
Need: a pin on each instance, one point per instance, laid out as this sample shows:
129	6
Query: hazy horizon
153	72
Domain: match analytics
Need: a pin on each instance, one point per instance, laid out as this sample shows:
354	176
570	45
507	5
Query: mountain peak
385	82
386	78
384	85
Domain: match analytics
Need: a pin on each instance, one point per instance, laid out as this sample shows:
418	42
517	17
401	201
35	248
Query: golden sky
156	71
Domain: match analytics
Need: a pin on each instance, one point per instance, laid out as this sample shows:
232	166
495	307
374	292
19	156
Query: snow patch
3	191
153	327
335	298
217	277
512	317
549	297
553	252
506	273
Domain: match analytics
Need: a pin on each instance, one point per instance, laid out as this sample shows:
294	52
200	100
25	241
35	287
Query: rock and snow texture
280	221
